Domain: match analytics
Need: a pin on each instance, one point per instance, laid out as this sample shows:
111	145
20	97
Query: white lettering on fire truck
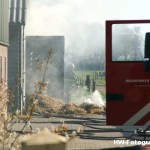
137	80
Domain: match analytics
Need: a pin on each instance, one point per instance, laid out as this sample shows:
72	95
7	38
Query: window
128	41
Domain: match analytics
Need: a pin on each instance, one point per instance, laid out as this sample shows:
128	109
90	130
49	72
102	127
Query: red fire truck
127	77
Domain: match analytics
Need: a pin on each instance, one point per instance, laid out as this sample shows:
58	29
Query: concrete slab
96	134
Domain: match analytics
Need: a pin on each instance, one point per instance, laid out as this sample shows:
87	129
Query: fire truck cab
128	72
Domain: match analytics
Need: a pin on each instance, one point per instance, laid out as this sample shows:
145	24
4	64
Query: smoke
38	52
66	18
46	17
79	21
49	3
86	37
78	97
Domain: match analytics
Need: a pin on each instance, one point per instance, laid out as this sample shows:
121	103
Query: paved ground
96	135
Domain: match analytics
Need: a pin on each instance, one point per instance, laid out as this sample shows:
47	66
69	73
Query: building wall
18	11
37	48
3	63
14	54
16	72
4	10
14	63
3	80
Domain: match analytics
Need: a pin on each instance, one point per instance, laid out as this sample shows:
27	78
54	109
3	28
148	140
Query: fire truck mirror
147	52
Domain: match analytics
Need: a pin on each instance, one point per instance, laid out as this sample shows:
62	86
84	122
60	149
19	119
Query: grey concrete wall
37	48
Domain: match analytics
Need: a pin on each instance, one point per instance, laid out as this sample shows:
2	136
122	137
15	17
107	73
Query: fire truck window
128	41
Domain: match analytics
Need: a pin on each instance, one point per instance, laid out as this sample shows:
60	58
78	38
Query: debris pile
72	109
92	108
47	105
52	104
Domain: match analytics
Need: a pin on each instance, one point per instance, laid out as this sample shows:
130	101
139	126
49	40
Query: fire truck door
128	72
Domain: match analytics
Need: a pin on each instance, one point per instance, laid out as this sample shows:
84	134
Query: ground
95	135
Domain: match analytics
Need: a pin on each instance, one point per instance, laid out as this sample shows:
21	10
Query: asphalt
95	135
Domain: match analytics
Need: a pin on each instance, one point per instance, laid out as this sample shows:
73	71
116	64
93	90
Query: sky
82	22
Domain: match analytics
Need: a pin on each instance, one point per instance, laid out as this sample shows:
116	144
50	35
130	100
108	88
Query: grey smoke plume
77	19
66	18
62	17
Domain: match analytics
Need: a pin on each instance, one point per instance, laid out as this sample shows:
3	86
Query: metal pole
23	81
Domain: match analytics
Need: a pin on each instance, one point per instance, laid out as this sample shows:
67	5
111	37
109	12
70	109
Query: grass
82	74
100	79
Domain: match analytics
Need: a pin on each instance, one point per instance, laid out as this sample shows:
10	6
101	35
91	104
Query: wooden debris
47	105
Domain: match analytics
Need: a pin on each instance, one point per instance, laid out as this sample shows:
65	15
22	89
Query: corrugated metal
16	50
4	4
18	11
24	8
14	63
13	11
